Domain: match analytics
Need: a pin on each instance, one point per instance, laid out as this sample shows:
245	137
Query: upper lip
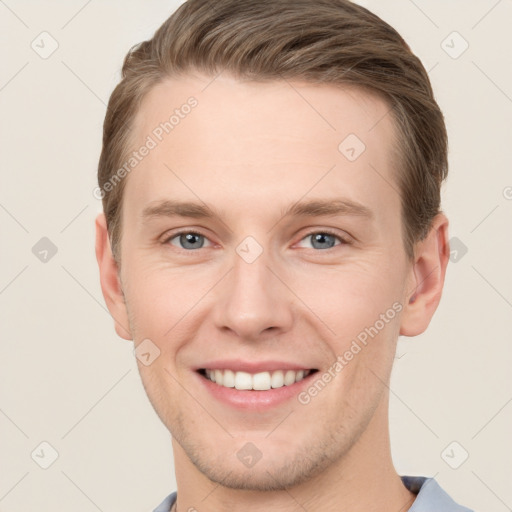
238	365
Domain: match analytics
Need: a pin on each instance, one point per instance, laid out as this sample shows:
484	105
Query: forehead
235	138
272	107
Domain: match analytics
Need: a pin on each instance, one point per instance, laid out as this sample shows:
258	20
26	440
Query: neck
364	479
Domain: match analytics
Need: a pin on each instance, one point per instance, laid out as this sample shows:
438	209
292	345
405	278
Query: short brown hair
317	41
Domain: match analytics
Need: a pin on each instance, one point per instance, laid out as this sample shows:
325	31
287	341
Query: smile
262	381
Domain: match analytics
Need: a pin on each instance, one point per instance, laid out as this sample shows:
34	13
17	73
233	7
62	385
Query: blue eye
188	240
323	240
319	240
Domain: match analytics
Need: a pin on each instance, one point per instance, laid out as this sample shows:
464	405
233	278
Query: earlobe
426	278
109	279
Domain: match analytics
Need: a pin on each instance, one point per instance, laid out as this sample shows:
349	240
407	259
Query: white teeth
289	377
243	380
228	380
277	380
262	381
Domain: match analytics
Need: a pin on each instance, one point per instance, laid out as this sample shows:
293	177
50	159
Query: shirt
429	497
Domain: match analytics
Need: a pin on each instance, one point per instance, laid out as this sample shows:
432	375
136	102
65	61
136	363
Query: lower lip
254	400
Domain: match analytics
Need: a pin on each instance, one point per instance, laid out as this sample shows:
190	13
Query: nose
252	301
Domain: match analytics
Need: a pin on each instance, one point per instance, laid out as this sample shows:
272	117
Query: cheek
166	304
361	309
350	297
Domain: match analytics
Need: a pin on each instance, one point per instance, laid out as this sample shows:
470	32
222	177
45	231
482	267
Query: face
261	242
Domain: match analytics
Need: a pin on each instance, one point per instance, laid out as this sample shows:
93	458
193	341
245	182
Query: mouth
262	381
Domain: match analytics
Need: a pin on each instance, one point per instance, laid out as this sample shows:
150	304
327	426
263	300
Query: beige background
66	379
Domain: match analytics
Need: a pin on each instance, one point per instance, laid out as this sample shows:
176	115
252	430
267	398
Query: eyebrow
311	208
168	208
317	208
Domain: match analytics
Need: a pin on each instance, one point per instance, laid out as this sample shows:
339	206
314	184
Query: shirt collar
430	496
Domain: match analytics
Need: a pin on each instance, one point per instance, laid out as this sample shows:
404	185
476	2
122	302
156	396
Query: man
270	176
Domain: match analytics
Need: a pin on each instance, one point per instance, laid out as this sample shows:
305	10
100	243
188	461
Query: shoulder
430	496
166	505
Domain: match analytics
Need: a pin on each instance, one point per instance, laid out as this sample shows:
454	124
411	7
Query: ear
109	279
426	278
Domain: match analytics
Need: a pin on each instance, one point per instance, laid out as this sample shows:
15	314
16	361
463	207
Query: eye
188	240
322	240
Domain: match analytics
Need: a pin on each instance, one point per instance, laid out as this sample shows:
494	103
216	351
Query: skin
249	151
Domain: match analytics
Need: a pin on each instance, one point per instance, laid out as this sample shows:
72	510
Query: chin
271	469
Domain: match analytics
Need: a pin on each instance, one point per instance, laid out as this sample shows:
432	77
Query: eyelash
343	241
